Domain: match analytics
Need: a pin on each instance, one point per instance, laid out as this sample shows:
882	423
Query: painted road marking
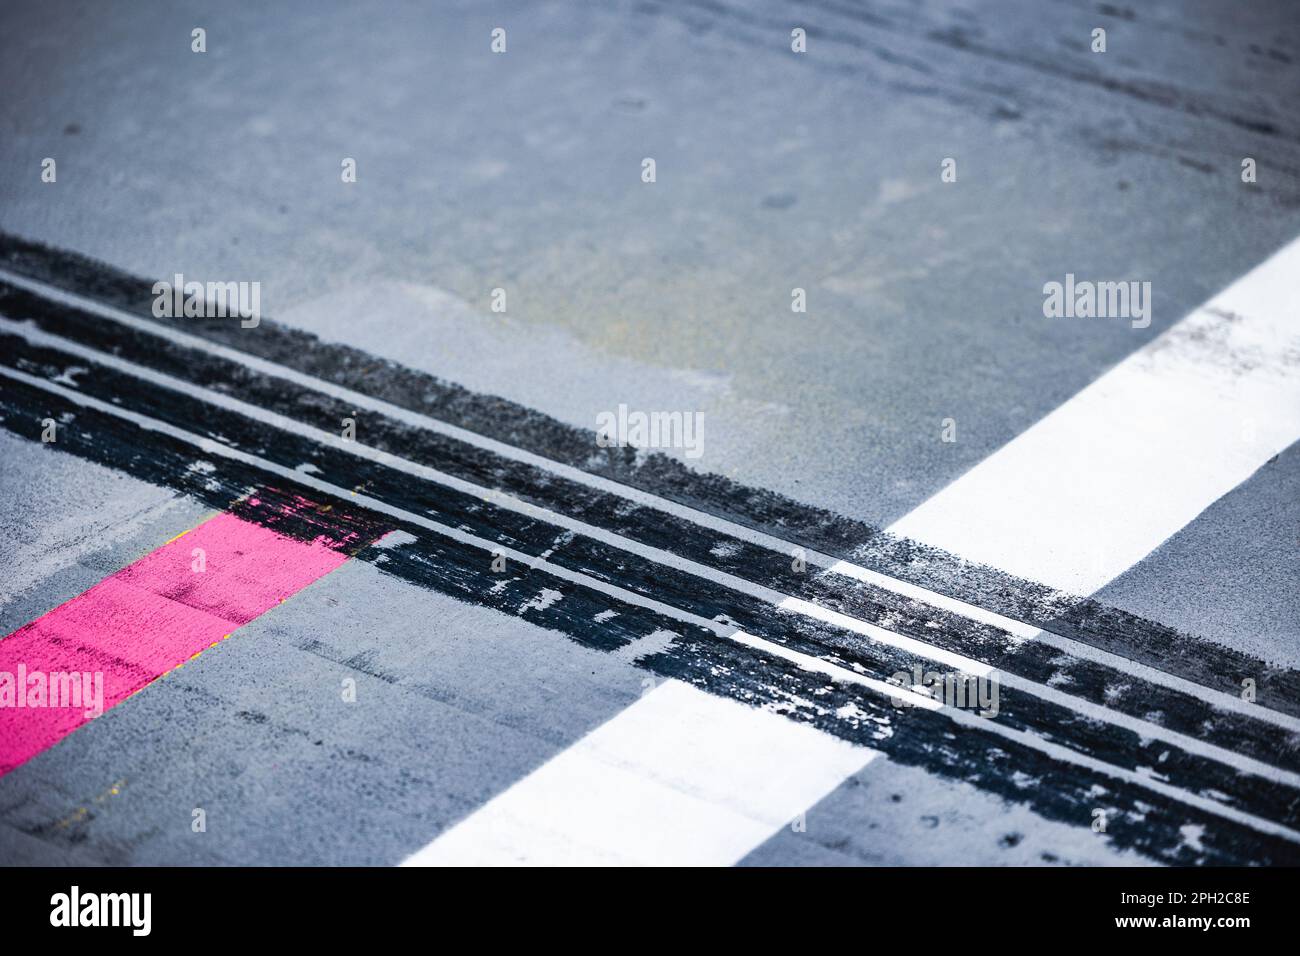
672	755
148	619
1098	484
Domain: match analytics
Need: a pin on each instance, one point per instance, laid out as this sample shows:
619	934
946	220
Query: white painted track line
1107	477
678	754
1097	485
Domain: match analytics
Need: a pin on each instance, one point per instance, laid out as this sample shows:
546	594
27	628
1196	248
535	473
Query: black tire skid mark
1081	619
1137	818
1100	685
445	570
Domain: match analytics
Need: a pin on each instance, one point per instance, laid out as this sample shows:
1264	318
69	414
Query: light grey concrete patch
483	352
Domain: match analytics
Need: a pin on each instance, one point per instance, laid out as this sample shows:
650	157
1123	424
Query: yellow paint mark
82	812
206	518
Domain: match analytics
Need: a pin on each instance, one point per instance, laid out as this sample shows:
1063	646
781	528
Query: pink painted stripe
147	619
